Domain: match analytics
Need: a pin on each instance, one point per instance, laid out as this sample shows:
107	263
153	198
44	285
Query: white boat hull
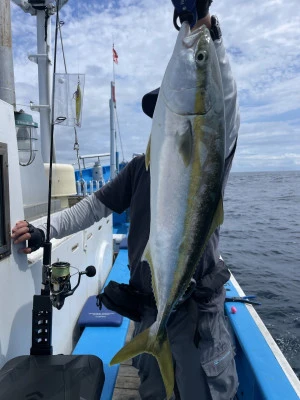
21	275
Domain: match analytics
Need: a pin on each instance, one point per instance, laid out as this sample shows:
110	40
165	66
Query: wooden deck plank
129	394
127	382
127	371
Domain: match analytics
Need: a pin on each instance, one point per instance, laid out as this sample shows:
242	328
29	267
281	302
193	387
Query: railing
98	156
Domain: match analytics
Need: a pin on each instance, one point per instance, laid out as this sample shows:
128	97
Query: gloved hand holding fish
186	155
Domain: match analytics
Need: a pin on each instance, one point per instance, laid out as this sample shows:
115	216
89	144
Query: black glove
125	300
203	7
37	238
190	11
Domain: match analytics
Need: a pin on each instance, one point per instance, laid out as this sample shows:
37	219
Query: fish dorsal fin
184	141
147	156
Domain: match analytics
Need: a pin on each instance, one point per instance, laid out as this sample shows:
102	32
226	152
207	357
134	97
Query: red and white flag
115	56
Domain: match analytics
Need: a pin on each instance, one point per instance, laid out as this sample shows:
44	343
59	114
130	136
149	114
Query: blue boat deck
105	341
260	363
262	369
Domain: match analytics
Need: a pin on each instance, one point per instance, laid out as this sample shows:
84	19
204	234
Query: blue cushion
92	316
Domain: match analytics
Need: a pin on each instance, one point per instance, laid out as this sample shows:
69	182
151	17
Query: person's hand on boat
23	231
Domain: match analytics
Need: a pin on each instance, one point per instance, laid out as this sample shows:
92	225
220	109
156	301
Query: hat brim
149	102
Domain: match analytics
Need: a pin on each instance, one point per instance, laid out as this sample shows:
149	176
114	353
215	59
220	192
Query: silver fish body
186	155
187	162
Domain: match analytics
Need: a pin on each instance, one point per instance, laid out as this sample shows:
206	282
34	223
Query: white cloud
262	41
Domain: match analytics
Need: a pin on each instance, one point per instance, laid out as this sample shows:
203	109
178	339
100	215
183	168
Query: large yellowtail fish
186	156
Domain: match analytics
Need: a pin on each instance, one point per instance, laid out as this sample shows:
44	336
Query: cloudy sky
262	39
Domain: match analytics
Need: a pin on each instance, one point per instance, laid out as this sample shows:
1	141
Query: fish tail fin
164	358
160	349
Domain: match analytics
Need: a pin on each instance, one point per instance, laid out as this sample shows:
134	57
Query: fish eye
201	57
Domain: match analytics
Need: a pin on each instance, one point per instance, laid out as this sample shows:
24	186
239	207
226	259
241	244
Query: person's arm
114	196
82	215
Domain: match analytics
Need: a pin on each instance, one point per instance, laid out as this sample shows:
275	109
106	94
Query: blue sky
263	45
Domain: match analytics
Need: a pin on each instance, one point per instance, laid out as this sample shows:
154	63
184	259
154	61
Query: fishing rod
56	284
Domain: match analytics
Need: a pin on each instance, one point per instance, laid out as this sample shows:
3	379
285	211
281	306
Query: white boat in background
264	373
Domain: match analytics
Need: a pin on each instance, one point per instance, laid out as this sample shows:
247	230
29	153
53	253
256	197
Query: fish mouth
195	33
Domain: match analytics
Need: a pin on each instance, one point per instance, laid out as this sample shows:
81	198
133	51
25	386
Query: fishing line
77	54
77	20
76	142
61	23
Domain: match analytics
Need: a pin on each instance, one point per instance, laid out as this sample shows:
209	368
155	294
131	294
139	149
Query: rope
76	148
61	23
76	143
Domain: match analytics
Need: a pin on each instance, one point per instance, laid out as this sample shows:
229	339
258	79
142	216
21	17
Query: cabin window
5	243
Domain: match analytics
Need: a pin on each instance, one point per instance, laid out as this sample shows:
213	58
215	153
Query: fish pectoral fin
147	156
184	141
161	350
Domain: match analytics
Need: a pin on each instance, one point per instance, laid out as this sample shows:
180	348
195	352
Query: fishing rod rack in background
90	175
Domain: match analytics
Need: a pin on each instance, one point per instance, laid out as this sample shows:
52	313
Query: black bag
212	282
59	377
125	300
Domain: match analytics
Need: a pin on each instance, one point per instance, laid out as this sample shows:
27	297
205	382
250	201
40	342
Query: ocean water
260	243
